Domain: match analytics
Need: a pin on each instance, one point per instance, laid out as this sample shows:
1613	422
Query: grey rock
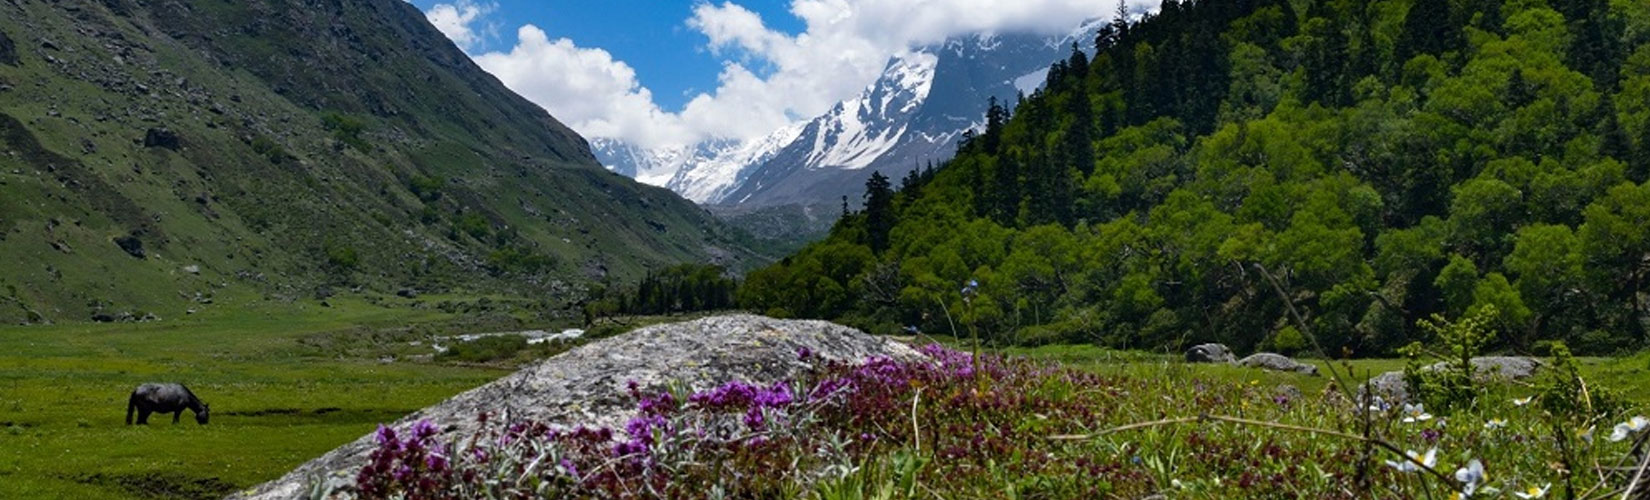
1498	368
1389	387
1210	353
192	269
587	385
162	138
1277	362
407	293
131	245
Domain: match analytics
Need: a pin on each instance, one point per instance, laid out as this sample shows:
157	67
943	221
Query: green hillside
157	157
1383	160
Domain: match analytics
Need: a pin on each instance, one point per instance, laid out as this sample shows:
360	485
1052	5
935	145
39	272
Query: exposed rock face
1498	367
131	245
1210	353
8	50
161	138
1277	362
587	385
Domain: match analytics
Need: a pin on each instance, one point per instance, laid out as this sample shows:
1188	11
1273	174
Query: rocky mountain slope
588	385
913	114
155	155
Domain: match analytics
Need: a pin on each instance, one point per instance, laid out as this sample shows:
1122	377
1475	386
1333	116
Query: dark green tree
879	211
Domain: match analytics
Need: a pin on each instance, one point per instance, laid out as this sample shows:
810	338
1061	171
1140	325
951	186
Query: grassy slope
229	76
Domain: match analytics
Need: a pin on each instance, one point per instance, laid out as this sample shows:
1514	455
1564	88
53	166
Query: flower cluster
957	424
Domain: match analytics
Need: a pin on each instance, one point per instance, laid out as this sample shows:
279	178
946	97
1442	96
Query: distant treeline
680	289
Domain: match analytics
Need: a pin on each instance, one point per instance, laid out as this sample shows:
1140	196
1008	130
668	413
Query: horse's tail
131	404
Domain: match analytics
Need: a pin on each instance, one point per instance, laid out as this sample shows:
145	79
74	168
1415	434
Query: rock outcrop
1210	353
1277	362
587	385
8	50
1390	387
1393	390
1490	368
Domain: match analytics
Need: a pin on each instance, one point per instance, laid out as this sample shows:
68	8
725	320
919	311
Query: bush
269	149
1289	341
1454	386
500	348
346	129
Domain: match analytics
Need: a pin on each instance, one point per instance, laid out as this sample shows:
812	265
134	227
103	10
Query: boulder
1277	362
1498	368
1210	353
131	245
162	138
407	293
588	385
1389	387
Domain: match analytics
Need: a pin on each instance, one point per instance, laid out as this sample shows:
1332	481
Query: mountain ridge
912	114
193	156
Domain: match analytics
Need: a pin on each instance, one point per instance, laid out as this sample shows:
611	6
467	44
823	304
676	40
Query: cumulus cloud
457	21
843	48
583	87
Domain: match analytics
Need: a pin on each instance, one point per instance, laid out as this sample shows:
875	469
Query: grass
1124	426
290	382
276	401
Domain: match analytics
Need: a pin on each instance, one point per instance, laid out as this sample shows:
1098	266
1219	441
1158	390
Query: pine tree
1612	139
995	117
1005	190
1079	139
1427	30
879	211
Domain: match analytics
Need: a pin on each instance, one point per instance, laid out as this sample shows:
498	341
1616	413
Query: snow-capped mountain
703	172
912	115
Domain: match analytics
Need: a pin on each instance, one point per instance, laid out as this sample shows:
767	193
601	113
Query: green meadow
285	385
288	383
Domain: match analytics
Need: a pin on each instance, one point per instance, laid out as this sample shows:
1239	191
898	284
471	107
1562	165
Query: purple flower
435	462
567	465
1431	435
803	353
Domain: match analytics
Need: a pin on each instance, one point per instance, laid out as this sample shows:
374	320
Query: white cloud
843	48
585	88
457	20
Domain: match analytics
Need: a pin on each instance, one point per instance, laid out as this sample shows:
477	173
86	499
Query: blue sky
652	36
675	72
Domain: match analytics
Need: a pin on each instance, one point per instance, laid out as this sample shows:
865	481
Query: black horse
164	398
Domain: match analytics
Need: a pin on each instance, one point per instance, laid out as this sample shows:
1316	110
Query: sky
660	73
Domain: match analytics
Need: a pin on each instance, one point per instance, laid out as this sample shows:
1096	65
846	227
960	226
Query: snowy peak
858	131
702	172
913	114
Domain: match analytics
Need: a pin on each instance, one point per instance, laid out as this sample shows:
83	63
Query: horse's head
200	416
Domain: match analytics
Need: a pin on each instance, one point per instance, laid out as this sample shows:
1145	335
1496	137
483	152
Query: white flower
1430	460
1495	423
1534	492
1470	476
1523	401
1587	434
1416	413
1377	404
1629	428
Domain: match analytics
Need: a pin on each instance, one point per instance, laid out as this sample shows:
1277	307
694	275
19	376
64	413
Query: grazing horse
164	398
